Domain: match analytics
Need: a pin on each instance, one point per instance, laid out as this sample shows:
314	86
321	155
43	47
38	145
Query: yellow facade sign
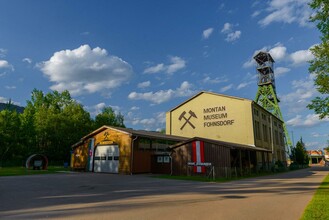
213	116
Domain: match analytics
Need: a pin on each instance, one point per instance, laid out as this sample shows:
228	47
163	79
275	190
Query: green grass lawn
318	208
16	171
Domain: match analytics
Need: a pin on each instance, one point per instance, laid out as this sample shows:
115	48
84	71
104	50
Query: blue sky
145	57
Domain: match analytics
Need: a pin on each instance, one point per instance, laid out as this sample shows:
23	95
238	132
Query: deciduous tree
320	64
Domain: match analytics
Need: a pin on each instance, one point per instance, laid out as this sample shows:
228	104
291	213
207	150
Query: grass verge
17	171
319	205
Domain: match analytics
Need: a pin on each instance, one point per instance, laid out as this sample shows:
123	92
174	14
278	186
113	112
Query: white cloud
297	100
5	65
309	120
227	28
28	60
301	57
231	34
250	63
143	85
85	70
2	52
216	80
10	87
163	95
176	63
206	33
244	84
314	134
155	69
278	52
287	11
5	100
280	71
313	145
156	122
255	14
98	108
226	88
134	108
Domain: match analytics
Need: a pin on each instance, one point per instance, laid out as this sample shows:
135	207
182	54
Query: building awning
221	143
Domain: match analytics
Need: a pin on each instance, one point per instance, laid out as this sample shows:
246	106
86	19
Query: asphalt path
110	196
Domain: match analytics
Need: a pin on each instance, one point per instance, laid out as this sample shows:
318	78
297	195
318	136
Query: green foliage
320	64
50	124
10	141
108	117
299	154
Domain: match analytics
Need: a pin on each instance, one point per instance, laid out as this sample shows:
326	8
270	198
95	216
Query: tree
9	134
299	153
327	148
108	117
52	122
320	64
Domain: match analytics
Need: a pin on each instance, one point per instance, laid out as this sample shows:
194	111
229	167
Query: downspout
272	138
170	163
132	155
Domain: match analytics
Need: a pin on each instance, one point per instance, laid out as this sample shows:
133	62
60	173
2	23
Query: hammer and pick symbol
187	120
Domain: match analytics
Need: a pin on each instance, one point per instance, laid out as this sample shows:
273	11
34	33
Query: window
166	159
265	138
257	130
160	159
144	144
281	139
256	112
276	136
270	132
264	117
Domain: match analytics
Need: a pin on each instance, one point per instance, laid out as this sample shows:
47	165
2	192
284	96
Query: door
106	159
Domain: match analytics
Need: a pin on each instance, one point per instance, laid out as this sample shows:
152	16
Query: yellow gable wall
112	136
218	117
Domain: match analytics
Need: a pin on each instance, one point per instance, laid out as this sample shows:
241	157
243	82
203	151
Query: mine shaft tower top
266	94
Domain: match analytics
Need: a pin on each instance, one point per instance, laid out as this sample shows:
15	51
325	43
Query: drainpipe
170	163
132	155
272	139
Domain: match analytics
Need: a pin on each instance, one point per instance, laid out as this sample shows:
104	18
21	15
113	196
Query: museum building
208	132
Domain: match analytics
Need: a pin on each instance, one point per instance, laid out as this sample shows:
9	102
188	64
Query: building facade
228	119
204	157
121	150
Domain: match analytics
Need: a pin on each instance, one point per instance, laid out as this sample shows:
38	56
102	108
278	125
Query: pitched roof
315	152
131	132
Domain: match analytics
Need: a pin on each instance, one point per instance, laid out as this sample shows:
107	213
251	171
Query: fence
238	172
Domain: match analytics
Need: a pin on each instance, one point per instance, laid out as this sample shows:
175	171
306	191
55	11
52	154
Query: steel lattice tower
266	94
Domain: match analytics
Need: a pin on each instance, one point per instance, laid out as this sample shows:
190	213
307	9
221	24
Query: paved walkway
106	196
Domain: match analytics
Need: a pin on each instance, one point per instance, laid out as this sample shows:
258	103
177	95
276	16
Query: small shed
316	157
122	150
200	156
